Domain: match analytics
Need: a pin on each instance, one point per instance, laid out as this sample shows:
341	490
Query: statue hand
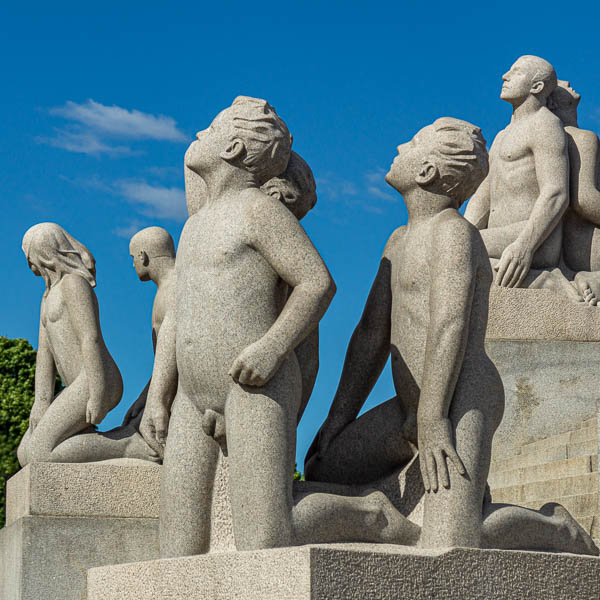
514	265
95	411
134	410
155	426
435	447
256	364
37	412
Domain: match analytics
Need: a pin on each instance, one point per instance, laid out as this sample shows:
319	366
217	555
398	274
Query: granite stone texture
70	345
46	558
519	206
84	490
347	572
551	387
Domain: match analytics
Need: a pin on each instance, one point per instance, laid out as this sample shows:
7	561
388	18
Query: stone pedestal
345	572
63	519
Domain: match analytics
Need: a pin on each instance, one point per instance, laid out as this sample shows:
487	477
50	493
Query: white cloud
128	231
84	142
93	128
114	121
156	201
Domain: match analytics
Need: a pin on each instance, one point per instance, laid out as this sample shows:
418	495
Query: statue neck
422	205
525	108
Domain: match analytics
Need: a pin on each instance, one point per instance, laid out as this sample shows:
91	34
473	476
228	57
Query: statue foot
393	527
588	286
578	541
138	448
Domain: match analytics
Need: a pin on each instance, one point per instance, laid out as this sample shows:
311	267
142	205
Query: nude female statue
70	343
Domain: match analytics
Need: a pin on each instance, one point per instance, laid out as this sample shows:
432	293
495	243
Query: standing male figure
231	343
518	207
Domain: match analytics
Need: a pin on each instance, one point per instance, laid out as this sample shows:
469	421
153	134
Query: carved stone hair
154	241
300	175
50	248
265	136
544	72
461	157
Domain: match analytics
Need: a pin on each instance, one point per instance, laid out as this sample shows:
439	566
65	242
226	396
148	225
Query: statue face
285	191
565	85
34	269
205	153
517	81
140	264
410	160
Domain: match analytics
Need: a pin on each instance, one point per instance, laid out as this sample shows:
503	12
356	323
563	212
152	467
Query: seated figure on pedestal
70	344
428	308
153	253
581	229
518	208
227	348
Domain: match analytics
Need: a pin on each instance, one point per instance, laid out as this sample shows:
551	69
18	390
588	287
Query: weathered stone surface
84	490
551	388
46	558
531	314
346	572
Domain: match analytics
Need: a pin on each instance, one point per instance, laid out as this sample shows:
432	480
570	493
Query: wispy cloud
128	231
95	128
156	201
367	191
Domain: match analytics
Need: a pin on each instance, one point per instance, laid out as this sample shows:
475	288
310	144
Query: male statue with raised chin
519	206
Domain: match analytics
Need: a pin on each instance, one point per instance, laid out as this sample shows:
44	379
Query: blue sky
98	105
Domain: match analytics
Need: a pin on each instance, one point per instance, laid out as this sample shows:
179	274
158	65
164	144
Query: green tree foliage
17	372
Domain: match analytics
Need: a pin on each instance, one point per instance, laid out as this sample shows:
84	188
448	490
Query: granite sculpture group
235	333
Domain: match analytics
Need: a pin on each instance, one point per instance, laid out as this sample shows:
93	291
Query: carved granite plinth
63	519
349	571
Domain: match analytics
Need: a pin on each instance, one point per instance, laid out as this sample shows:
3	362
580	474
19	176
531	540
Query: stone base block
353	571
63	519
46	558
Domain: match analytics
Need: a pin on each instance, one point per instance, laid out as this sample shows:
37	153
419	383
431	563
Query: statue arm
366	356
45	377
586	195
278	236
162	386
83	311
551	158
307	353
478	207
552	171
453	277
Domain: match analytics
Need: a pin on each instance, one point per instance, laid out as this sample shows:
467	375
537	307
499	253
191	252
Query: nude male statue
518	207
428	308
581	228
226	348
153	253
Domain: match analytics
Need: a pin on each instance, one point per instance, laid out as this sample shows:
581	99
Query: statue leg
551	528
321	517
187	482
261	443
121	442
453	516
369	448
65	417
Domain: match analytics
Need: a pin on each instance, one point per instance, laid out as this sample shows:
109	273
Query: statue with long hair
70	344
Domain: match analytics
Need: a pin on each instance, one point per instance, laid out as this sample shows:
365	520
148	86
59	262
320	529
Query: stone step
520	461
545	471
583	434
588	448
566	486
582	505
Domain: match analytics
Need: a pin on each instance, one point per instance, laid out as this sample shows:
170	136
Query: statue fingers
236	369
431	470
508	274
520	275
442	468
452	454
